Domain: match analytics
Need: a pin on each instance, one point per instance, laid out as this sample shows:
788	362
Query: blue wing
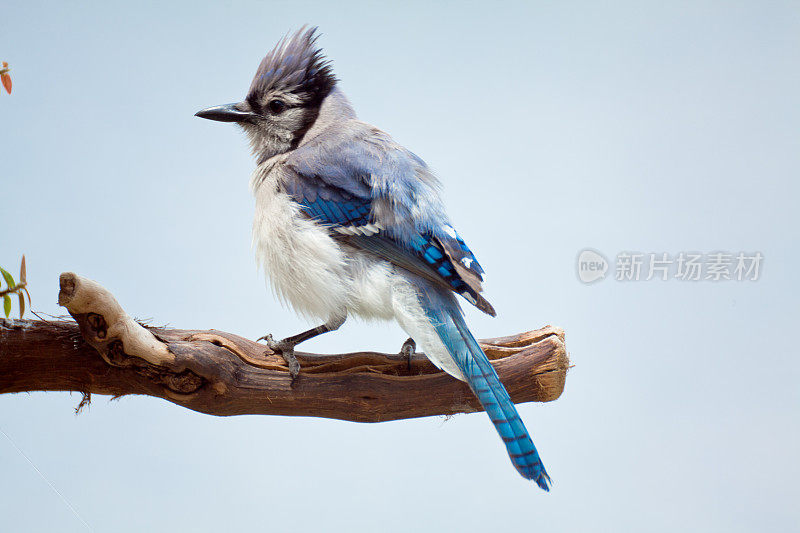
378	196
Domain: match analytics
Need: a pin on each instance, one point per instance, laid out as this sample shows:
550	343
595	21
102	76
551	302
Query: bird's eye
276	106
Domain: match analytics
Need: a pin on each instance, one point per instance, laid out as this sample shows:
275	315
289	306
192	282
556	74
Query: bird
350	223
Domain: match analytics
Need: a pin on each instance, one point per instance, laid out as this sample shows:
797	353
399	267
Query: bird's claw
408	350
286	350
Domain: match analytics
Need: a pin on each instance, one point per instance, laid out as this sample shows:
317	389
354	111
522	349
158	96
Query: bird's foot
408	350
286	349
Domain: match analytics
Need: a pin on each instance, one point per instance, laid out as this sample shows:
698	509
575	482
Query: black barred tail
483	380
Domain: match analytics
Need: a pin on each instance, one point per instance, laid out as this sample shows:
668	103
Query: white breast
305	266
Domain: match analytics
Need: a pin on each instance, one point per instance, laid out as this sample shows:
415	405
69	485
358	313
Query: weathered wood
223	374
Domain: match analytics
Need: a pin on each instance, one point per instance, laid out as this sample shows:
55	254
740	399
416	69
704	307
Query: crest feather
295	65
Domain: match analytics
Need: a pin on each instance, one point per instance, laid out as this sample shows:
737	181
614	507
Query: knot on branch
184	382
121	341
97	325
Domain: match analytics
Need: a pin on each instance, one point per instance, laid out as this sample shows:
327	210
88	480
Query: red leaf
6	82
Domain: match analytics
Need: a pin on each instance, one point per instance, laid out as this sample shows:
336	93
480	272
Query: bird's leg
286	346
408	350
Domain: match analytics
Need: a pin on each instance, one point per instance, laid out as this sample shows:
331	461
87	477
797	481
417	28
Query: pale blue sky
554	127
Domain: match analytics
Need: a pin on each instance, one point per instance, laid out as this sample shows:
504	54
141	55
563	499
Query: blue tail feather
481	377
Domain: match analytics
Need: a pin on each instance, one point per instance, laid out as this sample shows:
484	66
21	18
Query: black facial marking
255	106
309	117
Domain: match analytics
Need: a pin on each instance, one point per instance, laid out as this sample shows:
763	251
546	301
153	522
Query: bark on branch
223	374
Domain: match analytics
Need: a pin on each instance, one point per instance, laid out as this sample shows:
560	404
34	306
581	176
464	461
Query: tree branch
223	374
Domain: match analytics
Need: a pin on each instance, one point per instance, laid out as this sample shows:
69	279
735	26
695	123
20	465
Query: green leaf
21	303
8	277
7	304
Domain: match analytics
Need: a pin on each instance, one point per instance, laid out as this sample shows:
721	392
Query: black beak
226	113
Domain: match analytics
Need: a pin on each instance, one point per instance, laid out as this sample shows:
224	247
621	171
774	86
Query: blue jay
348	222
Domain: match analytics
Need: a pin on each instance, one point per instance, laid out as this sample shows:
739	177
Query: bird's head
284	98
